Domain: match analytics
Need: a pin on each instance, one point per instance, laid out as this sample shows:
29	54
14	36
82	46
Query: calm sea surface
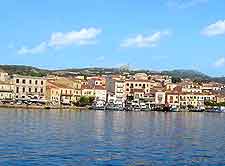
111	138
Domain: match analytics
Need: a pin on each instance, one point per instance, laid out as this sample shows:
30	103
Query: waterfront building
117	87
145	85
6	90
86	90
185	99
65	88
220	98
58	93
191	87
4	76
98	91
96	81
137	93
29	87
211	86
73	83
160	98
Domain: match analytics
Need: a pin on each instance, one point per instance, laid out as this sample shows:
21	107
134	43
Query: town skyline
150	35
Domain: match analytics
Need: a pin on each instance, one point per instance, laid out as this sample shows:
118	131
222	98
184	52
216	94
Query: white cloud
215	29
183	4
220	62
82	37
85	36
37	49
144	41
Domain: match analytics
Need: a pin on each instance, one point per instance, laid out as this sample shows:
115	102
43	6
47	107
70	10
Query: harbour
63	137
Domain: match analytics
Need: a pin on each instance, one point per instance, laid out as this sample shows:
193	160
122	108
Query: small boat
215	110
128	108
173	110
196	110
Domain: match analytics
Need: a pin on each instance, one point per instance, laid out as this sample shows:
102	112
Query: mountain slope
33	71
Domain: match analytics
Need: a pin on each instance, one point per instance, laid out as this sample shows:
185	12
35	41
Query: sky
146	34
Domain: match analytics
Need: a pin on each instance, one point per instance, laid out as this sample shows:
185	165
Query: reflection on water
113	138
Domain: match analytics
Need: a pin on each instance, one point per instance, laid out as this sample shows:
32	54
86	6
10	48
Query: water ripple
57	138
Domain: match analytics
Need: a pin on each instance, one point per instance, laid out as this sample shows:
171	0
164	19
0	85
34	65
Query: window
127	84
24	81
35	90
24	89
17	89
30	82
139	84
42	82
36	82
30	90
41	90
136	85
17	81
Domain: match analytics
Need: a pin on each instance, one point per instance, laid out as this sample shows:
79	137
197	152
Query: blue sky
146	34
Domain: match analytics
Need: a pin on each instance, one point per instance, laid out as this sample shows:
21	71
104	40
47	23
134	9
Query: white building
98	92
6	90
141	76
4	76
160	98
117	87
28	87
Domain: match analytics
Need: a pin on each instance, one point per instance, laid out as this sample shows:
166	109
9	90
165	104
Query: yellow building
60	94
145	85
73	83
188	98
66	90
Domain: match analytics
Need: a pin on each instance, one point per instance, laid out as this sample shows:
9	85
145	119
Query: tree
176	79
86	100
91	99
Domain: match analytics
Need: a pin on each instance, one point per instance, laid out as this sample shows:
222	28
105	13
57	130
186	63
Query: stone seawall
41	107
